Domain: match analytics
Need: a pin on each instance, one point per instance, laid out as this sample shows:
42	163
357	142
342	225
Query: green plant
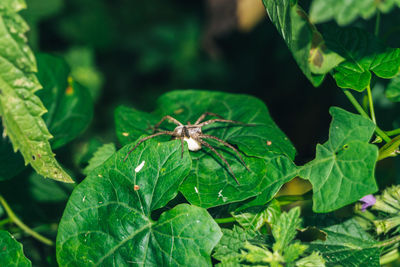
168	205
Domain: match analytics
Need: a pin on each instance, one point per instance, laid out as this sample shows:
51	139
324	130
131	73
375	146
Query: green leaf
107	221
303	39
11	253
343	169
265	149
255	217
347	244
363	53
7	6
99	157
20	108
393	90
232	241
70	105
313	260
284	229
346	11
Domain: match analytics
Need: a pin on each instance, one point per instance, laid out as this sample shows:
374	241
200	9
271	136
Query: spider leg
221	120
171	119
202	117
220	156
147	138
182	135
226	144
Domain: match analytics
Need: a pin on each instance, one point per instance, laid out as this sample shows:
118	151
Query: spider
192	134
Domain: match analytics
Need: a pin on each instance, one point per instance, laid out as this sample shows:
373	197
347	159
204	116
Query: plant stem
224	220
23	226
285	200
362	112
377	23
393	132
371	104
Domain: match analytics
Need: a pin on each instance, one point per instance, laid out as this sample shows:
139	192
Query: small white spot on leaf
195	189
125	134
140	166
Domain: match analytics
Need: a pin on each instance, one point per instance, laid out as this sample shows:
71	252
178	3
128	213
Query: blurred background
131	52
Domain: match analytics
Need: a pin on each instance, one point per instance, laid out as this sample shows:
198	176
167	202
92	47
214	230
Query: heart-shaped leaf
107	221
363	53
343	169
267	152
11	253
69	105
303	39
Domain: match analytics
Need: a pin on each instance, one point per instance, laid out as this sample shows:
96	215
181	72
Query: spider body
190	135
193	135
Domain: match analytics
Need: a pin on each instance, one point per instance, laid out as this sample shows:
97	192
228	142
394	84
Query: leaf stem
23	226
393	132
371	104
224	220
362	112
5	221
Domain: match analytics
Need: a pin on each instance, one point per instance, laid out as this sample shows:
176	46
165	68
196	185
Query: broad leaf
20	108
99	157
343	169
363	53
303	39
265	149
348	244
11	253
346	11
69	105
393	90
107	221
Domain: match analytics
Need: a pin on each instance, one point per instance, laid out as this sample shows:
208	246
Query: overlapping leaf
266	150
107	221
11	253
99	157
363	54
348	244
303	39
20	108
343	169
346	11
69	105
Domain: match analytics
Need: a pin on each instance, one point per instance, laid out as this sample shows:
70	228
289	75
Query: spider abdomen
193	145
